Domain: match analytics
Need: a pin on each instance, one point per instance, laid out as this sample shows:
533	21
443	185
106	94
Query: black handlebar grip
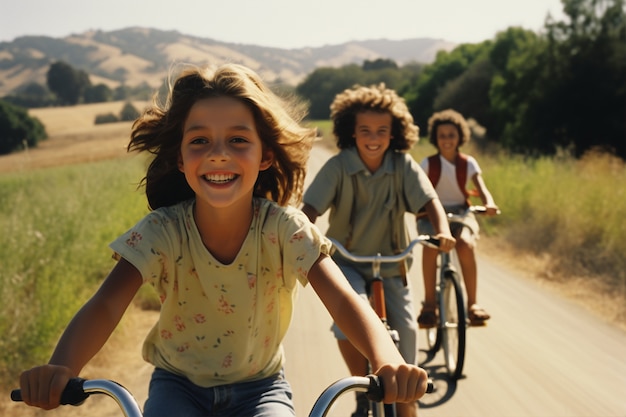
16	395
430	388
73	394
376	391
433	241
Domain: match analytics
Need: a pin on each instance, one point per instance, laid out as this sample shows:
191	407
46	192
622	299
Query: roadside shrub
106	118
129	112
18	129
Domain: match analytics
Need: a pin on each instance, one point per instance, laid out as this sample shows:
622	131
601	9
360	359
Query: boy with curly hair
368	187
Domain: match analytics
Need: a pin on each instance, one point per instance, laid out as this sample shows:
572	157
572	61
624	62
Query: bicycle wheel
453	324
433	334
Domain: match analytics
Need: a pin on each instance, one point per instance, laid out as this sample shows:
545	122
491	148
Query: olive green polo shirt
370	206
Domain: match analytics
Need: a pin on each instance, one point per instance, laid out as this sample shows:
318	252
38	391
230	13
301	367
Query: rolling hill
133	56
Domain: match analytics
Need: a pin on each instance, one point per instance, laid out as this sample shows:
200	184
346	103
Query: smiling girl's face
372	132
221	152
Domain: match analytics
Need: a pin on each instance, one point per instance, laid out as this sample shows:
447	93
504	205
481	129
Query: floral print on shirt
222	323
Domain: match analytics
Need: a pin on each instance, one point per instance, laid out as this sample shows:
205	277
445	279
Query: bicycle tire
454	327
433	336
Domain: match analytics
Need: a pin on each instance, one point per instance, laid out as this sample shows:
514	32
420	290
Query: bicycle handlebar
422	239
369	384
78	389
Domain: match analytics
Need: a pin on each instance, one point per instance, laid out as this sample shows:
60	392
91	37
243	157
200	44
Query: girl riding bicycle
450	170
225	252
369	186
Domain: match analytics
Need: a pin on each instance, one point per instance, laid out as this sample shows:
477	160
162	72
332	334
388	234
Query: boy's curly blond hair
376	98
449	116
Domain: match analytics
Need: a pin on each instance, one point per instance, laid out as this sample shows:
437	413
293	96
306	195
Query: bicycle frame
377	292
451	329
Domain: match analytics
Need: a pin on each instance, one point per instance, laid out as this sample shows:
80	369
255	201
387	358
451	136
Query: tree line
534	93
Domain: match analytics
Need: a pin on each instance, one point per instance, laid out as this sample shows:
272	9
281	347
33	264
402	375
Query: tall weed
56	225
571	210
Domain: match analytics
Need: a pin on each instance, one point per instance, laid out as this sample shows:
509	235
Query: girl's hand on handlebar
402	383
446	242
42	386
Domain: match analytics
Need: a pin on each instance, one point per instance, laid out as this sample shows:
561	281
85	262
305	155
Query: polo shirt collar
354	164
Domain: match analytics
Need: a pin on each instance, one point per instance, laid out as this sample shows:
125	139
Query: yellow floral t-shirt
219	323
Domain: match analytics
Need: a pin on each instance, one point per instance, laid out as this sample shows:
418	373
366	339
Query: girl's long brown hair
159	131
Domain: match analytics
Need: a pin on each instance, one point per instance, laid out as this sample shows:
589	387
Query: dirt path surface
541	354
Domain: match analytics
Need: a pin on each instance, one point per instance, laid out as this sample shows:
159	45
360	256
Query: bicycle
450	332
78	390
376	293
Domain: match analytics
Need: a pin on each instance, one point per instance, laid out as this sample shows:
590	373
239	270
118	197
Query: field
73	138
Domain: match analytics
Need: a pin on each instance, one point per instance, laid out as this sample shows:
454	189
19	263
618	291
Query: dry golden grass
73	137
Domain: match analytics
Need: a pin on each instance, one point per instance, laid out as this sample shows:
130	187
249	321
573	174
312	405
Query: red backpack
434	172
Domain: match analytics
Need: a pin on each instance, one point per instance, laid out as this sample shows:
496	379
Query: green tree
67	83
17	128
448	66
469	92
321	86
590	58
519	58
31	95
379	64
129	112
566	88
99	93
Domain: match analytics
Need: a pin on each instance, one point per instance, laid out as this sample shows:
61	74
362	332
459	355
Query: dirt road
540	355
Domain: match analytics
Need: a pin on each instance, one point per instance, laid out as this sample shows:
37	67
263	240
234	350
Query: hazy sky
281	23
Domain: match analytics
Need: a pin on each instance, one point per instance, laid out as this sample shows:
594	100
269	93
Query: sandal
477	315
428	317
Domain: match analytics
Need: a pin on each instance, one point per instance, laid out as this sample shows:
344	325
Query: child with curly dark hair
368	187
449	171
225	252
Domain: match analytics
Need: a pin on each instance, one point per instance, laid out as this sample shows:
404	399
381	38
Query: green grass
571	210
56	226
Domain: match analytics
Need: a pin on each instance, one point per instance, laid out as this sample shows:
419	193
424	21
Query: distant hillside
136	55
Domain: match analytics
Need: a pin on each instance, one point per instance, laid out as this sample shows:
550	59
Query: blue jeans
172	395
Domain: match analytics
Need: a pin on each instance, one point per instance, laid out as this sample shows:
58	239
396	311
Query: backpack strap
347	244
434	169
461	175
